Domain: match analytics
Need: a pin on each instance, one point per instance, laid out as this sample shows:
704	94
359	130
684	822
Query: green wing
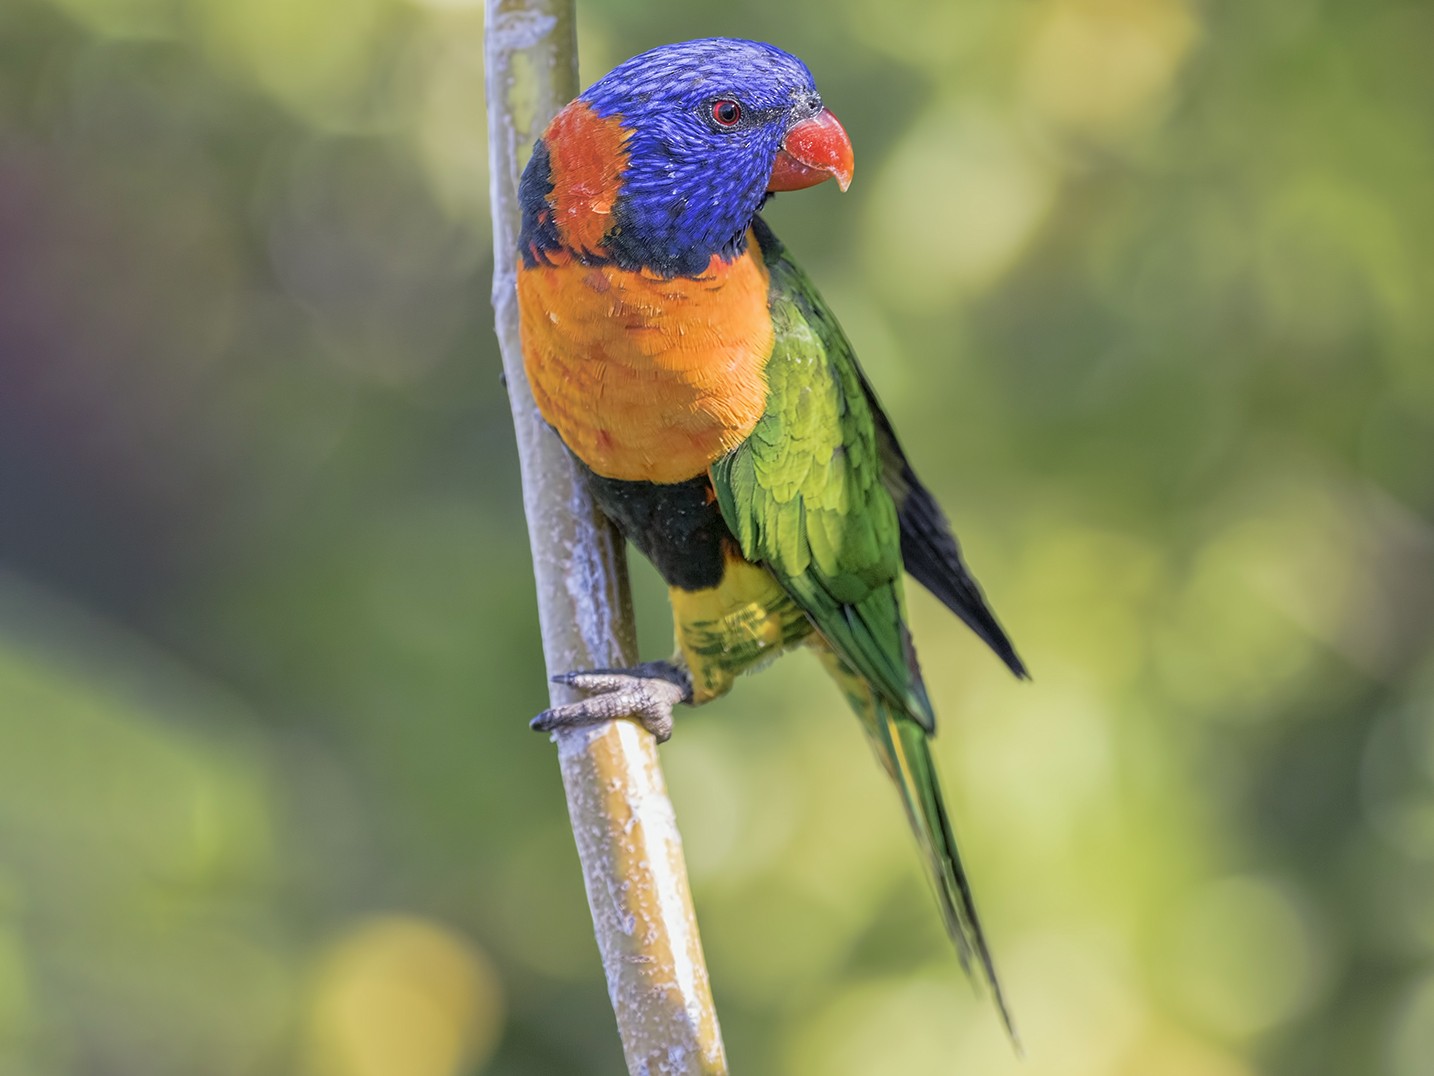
807	496
804	494
928	548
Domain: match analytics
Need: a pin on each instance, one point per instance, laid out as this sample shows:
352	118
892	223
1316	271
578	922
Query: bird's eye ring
726	112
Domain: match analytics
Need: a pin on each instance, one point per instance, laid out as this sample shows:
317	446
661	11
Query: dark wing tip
995	637
933	558
1007	653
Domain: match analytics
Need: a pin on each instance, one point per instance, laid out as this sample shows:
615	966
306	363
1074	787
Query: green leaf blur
1146	284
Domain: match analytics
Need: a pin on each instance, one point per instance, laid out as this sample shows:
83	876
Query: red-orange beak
814	150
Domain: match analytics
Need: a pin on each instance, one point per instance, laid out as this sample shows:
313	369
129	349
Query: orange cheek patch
647	379
586	156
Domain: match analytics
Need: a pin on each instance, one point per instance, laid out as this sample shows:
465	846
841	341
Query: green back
804	493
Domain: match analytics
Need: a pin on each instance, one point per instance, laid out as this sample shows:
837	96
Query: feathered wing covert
807	496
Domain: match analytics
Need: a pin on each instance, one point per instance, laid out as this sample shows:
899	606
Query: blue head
705	121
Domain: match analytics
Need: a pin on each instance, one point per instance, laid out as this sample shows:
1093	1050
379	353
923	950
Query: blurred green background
1148	285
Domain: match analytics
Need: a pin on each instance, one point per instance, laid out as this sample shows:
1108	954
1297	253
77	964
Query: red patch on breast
586	155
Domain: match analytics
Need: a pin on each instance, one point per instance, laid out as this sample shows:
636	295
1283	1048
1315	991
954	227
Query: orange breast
646	378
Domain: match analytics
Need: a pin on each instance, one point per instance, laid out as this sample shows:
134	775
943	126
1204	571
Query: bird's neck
604	194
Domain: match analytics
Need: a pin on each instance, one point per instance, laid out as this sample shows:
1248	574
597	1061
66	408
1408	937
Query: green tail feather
903	749
906	753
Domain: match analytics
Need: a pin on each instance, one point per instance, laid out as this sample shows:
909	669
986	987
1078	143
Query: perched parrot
719	415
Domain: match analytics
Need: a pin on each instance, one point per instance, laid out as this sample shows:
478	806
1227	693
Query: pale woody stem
622	820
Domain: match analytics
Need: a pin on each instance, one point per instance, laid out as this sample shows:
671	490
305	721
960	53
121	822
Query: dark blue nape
538	232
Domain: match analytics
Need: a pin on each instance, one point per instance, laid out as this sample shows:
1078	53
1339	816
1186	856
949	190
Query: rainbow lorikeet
719	414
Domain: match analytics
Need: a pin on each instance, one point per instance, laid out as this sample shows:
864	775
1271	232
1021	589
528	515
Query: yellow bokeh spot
895	1025
401	995
980	191
443	67
313	57
1098	65
1170	1050
1246	956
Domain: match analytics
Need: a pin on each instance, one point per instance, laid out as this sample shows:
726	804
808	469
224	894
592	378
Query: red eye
727	113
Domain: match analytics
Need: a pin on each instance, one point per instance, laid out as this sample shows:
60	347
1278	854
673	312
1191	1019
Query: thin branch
622	820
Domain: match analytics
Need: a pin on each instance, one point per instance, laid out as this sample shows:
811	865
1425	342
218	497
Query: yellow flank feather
742	622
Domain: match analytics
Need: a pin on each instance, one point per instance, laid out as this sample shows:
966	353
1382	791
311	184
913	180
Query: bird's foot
646	693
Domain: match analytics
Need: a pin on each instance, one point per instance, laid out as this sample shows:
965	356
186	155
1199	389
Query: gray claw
646	693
